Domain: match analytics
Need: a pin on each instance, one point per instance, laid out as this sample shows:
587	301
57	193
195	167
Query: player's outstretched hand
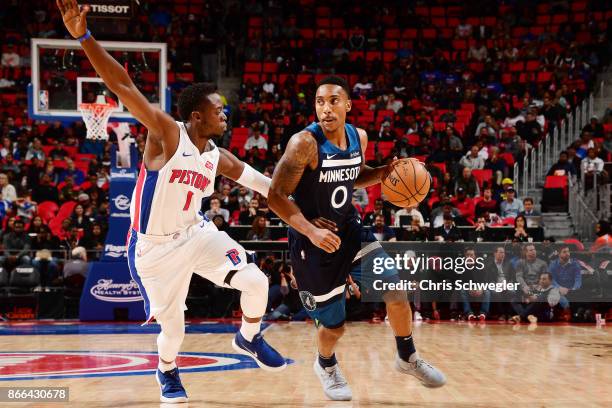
325	239
74	18
324	223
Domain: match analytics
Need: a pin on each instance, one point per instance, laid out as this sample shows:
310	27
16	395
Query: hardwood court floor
490	365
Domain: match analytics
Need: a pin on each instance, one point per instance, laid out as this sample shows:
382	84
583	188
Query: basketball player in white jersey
169	238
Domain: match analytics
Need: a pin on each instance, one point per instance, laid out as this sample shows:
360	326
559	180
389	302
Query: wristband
85	36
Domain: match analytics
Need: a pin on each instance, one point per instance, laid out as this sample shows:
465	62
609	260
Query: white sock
163	367
413	357
249	330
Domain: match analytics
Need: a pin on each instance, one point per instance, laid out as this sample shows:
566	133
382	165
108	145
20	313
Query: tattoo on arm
300	153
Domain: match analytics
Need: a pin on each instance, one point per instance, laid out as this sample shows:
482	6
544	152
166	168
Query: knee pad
250	278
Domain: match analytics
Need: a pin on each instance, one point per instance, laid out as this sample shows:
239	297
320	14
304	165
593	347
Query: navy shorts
321	277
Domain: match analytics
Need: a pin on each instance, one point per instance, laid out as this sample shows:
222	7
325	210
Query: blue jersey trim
146	200
134	272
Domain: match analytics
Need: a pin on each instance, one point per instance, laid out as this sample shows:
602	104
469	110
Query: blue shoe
263	354
171	389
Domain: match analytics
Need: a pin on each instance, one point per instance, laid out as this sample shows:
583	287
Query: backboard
63	77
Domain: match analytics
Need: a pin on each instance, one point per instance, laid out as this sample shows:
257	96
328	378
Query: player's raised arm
301	152
159	124
242	173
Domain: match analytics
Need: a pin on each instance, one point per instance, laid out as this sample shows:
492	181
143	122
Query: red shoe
482	317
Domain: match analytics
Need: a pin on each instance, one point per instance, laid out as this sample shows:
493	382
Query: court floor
487	365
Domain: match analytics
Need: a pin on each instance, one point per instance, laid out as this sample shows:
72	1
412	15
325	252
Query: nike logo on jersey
331	156
189	177
187	155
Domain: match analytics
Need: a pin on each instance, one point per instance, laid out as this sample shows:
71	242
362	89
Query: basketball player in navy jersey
170	239
319	170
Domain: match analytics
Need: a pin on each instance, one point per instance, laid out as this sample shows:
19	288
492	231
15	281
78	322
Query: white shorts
163	265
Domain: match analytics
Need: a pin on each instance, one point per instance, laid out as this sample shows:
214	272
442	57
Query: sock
249	330
405	347
163	367
327	362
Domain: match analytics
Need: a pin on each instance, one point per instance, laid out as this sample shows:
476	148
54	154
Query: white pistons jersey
168	200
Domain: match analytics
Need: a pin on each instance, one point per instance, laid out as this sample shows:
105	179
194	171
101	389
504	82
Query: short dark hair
192	97
547	274
335	80
528	199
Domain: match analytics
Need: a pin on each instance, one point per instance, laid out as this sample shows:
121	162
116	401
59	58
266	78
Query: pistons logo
36	365
234	256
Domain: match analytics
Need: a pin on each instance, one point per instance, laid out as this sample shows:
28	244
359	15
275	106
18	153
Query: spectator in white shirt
394	104
414	213
363	86
8	190
478	52
472	160
464	29
592	164
10	58
268	85
256	140
490	124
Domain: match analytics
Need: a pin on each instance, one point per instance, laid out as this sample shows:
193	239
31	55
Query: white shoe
417	316
428	375
334	384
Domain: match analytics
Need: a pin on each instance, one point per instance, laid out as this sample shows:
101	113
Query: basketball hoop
96	116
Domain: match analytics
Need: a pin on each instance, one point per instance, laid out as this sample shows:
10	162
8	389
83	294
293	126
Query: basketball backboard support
63	78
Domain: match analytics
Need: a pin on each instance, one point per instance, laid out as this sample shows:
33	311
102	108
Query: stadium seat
47	210
482	175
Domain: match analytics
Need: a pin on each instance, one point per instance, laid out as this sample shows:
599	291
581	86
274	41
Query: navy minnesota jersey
327	191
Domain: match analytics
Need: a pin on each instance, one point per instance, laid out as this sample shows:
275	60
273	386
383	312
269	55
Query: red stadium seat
437	12
373	55
438	22
47	210
543	20
393	33
556	182
410	33
482	175
532	65
413	139
391	45
270	67
429	33
252	66
560	19
544	76
516	66
508	158
307	33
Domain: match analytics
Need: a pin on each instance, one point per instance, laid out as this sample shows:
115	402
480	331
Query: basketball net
96	116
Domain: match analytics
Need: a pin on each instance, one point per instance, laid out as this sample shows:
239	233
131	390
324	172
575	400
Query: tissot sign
111	8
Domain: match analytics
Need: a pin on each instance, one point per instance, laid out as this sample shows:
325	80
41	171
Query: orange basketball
407	184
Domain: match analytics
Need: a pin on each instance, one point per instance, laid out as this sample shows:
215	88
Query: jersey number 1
188	201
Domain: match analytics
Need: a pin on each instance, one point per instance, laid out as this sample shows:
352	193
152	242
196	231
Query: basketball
407	184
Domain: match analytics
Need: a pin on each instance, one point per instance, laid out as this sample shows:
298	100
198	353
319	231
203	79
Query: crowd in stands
467	87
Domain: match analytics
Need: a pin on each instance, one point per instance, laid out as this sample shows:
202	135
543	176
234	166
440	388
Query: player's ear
349	105
196	116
